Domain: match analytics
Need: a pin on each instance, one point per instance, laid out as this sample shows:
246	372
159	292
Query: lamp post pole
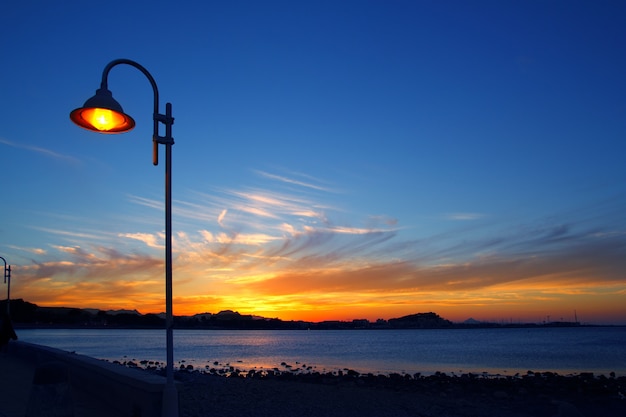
103	114
170	396
7	280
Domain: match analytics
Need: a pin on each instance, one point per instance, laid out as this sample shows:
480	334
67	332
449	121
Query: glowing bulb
103	120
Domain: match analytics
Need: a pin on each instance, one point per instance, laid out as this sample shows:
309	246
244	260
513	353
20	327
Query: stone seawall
133	392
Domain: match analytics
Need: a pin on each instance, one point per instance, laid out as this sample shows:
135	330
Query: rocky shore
227	391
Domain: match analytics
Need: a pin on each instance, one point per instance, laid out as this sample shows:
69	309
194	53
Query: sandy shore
351	395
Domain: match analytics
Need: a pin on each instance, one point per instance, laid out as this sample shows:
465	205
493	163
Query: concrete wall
133	392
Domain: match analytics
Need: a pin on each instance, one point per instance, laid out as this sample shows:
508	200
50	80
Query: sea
493	351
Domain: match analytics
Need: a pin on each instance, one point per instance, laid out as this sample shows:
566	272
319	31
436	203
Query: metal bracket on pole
168	121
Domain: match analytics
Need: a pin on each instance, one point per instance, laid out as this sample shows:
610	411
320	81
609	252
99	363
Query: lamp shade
102	113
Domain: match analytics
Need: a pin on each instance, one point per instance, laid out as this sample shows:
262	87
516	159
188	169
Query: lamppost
7	280
103	114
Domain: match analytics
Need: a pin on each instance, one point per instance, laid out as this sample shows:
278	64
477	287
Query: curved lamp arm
7	271
110	65
166	118
7	277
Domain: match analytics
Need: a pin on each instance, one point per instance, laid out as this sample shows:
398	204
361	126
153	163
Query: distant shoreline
29	315
62	326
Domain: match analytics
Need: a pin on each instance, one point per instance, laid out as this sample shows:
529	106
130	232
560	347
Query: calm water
498	351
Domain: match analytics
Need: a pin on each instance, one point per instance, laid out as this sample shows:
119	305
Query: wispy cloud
70	233
146	202
220	218
41	151
35	251
464	216
151	240
294	181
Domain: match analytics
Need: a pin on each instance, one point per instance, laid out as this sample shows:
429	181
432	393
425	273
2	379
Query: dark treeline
25	314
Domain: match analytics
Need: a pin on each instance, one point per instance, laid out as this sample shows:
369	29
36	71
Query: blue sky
332	160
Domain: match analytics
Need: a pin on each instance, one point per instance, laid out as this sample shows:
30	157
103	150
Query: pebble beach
349	394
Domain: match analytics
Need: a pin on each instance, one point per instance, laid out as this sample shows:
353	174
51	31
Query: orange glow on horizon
517	308
344	292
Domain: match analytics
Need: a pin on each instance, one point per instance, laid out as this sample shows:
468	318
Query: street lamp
7	280
103	114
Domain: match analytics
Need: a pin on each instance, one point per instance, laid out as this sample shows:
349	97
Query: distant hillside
420	321
25	313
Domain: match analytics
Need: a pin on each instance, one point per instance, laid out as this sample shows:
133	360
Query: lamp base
170	401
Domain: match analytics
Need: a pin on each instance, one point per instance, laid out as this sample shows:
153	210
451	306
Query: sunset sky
333	159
